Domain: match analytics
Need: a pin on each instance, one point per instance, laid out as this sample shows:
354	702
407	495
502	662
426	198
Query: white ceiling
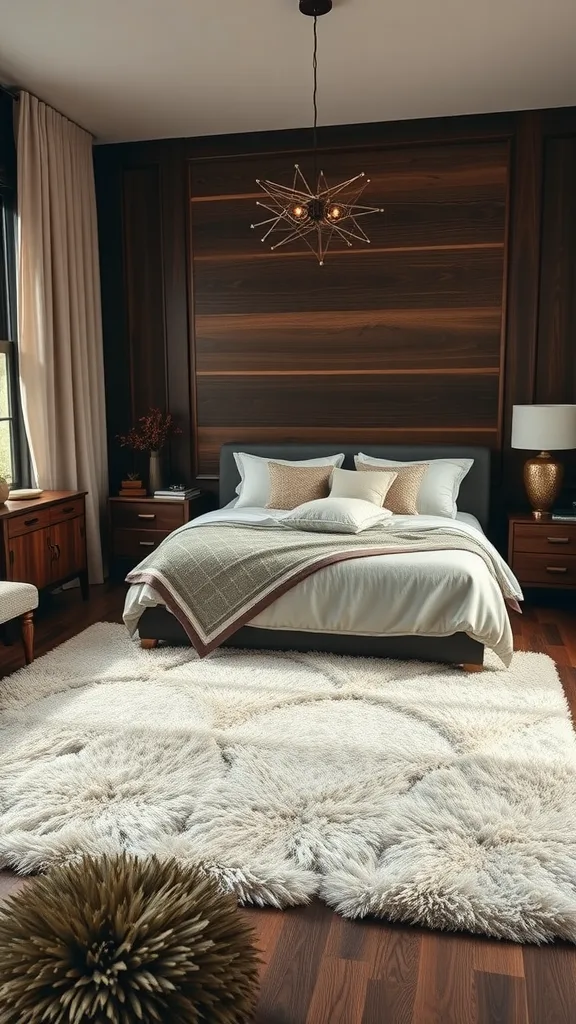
140	69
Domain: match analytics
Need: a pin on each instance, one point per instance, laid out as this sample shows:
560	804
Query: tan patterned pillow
402	498
291	486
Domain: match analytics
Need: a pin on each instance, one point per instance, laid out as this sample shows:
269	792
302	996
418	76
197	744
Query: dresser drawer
554	537
67	510
136	544
554	568
28	522
134	515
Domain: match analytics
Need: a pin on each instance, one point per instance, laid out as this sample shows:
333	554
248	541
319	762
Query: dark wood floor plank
445	991
500	999
340	992
289	983
267	925
395	959
498	957
550	984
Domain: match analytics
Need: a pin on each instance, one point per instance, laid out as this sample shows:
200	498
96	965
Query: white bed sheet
424	593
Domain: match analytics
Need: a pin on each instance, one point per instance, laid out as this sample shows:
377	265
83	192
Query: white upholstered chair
18	601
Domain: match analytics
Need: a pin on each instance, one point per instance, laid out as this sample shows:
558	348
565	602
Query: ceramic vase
4	490
155	475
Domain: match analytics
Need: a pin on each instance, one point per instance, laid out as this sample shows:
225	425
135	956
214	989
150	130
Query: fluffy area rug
410	791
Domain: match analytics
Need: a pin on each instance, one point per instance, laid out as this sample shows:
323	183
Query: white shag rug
410	791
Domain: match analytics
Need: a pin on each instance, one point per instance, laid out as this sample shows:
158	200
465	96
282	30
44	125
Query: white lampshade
547	428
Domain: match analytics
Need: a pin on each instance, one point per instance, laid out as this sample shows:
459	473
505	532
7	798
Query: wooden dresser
138	525
542	553
44	540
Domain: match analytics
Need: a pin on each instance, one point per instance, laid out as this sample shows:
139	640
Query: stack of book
178	493
564	515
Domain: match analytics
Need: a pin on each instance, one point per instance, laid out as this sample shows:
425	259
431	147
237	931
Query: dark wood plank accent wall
463	303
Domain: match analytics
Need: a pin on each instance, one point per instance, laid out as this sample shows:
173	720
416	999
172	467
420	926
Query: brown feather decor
123	940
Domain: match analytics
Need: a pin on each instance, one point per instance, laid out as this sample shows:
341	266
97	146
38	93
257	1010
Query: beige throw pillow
347	483
402	498
291	486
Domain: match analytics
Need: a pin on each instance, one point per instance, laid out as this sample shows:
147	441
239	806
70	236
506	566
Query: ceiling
140	69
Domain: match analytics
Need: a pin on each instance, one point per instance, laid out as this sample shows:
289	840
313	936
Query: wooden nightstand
542	553
138	525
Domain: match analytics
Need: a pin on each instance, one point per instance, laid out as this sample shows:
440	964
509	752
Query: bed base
157	624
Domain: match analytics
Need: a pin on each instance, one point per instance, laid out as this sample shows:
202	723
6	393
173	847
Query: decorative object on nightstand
150	436
542	553
132	487
543	428
138	525
4	490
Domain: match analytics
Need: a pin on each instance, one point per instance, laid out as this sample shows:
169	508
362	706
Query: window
13	458
10	448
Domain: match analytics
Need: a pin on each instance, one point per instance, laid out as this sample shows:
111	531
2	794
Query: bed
454	576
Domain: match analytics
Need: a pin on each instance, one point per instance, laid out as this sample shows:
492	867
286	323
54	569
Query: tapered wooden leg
468	667
149	645
28	636
84	588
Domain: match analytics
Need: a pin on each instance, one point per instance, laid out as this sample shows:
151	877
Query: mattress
424	593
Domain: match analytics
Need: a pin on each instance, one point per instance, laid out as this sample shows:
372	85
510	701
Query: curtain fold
59	312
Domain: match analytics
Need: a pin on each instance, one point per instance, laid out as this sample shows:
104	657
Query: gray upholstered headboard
474	493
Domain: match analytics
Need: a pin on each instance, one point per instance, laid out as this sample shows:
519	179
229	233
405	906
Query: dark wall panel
463	304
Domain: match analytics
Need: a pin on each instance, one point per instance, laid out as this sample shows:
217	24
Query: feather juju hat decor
119	940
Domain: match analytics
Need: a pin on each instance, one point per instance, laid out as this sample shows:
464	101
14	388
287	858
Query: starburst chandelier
320	214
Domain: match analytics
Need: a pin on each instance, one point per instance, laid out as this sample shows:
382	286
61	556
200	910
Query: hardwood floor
319	968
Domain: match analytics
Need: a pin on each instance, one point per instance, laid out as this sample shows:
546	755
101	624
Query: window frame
9	335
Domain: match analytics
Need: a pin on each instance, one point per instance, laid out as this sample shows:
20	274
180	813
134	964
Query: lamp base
543	478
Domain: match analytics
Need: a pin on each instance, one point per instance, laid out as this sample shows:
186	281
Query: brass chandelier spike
314	215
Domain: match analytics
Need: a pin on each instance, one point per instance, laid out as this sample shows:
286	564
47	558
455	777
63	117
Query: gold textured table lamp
543	428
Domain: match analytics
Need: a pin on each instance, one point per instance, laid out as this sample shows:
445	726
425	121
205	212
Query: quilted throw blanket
217	577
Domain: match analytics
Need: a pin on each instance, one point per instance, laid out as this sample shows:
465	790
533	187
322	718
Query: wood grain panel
210	439
453	400
144	287
362	280
361	339
223	228
478	169
556	354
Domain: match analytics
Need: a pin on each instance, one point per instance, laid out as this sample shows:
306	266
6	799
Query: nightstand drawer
136	543
545	537
148	515
552	568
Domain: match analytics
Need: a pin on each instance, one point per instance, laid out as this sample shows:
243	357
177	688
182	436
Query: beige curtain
60	328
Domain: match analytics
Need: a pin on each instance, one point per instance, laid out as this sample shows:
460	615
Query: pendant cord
315	101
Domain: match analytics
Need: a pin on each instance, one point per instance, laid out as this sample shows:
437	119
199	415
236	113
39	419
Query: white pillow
348	483
254	488
440	485
336	515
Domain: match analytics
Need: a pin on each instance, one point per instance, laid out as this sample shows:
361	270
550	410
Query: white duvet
427	593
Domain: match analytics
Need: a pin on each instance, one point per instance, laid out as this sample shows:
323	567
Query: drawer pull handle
69	509
556	568
147	543
146	515
30	522
558	540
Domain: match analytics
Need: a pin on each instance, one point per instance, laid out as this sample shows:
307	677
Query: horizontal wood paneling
362	339
477	170
462	305
349	281
211	439
223	228
419	400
